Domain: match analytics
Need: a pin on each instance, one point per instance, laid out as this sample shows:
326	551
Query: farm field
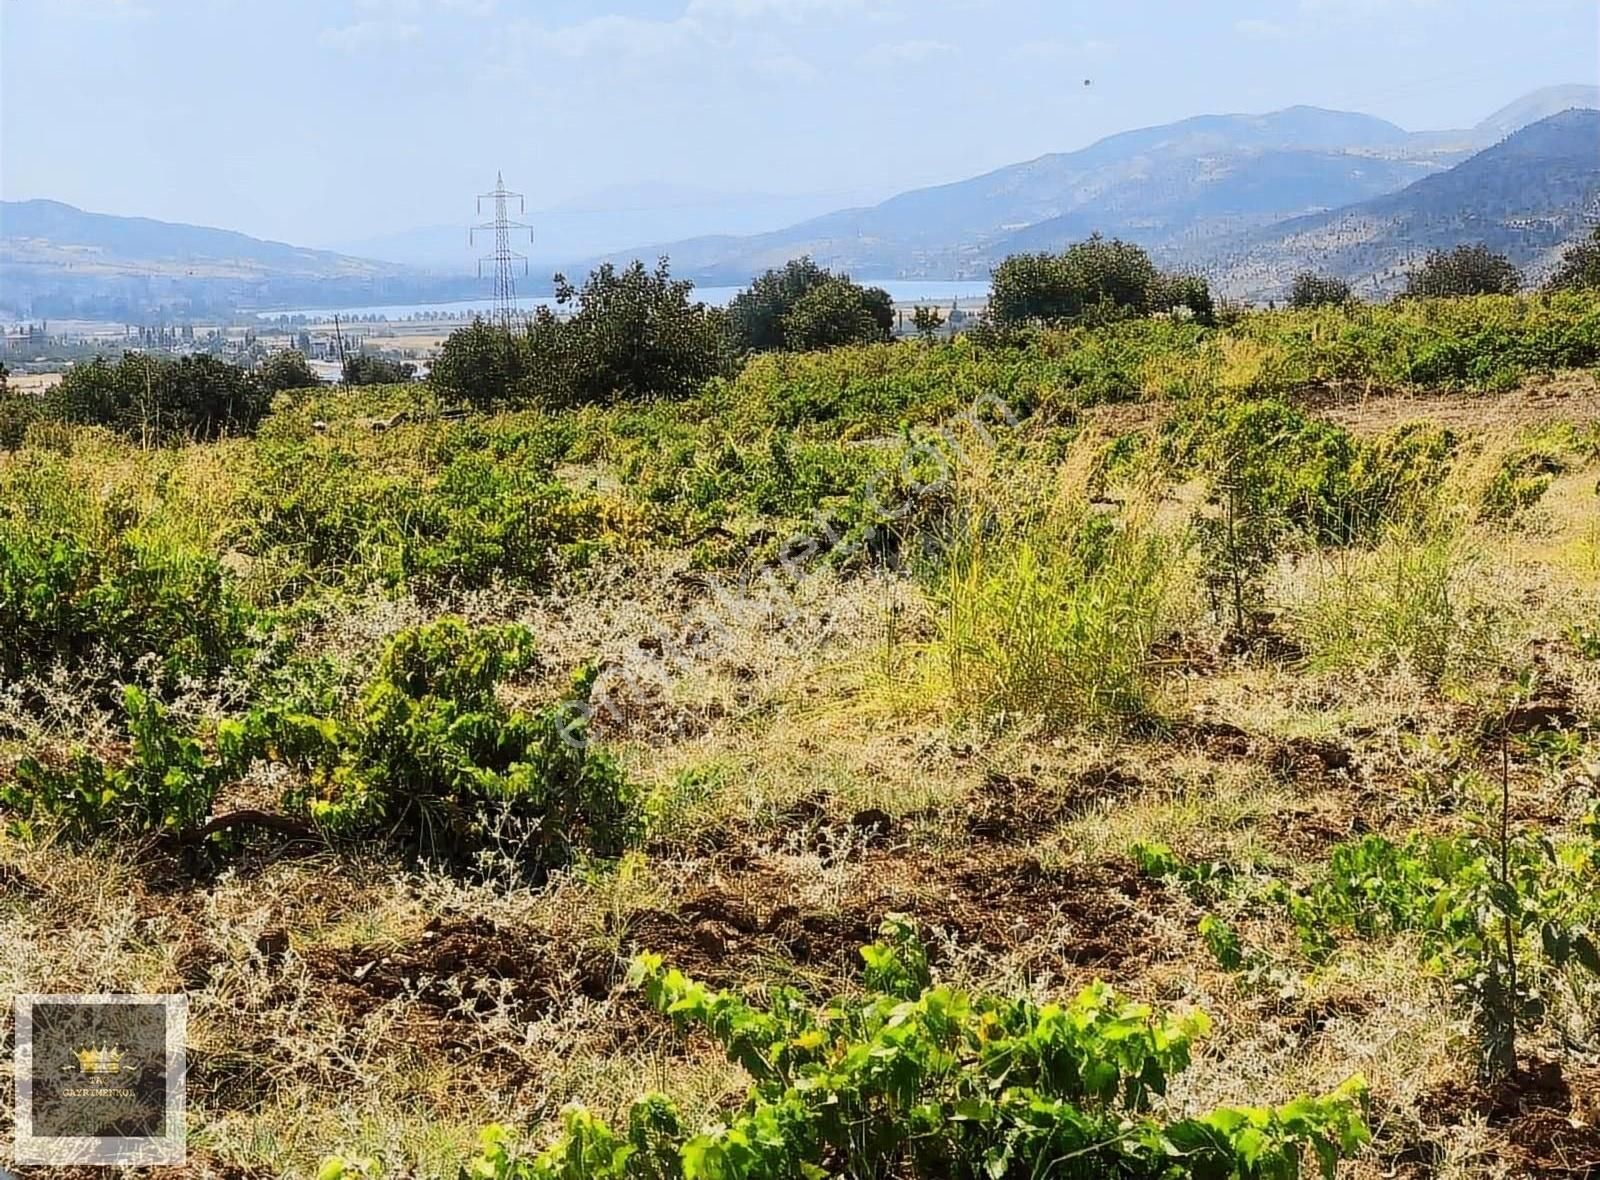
1199	727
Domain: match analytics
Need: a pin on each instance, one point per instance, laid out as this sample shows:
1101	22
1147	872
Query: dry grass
787	763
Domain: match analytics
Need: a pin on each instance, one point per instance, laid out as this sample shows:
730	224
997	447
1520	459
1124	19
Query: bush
153	399
913	1078
1281	465
287	370
1094	280
1313	290
804	307
629	335
166	787
1466	270
831	314
102	612
483	365
1579	269
361	369
429	756
1502	913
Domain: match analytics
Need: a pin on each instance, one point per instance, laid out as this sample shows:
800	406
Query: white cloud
907	51
1056	50
1261	30
612	35
788	10
368	34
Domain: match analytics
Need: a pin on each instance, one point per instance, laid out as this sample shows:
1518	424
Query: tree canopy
1579	268
631	334
804	306
361	369
287	370
1092	280
1310	289
1466	270
157	398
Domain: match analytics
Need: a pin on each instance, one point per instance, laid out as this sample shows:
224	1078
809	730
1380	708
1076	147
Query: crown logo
101	1060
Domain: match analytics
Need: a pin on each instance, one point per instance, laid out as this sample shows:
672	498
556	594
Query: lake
938	292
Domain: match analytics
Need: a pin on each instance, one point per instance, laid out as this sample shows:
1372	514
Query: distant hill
1531	108
59	260
1525	197
1177	189
1242	196
1200	177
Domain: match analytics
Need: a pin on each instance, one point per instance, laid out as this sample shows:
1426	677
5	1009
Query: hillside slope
1524	197
1178	189
1200	177
56	259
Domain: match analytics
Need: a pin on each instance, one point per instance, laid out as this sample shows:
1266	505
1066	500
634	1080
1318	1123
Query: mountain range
1247	199
1185	191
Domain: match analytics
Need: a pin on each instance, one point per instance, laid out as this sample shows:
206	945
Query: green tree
759	315
1466	270
361	369
1093	280
156	400
17	409
482	364
1310	289
1579	269
287	370
829	315
927	321
632	334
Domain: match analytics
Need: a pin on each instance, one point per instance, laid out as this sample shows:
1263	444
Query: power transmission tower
504	257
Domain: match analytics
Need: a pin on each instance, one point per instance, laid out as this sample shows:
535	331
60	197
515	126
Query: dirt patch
462	966
998	900
1564	397
1548	1122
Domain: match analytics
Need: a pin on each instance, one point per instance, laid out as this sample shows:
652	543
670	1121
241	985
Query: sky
326	121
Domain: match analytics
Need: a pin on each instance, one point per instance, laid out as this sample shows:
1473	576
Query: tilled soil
1548	1120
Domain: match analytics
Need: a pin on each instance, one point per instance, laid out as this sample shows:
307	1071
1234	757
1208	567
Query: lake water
938	292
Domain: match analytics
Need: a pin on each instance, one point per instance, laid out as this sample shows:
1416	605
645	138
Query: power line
504	257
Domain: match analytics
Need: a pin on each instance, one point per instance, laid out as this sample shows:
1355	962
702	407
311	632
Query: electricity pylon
504	257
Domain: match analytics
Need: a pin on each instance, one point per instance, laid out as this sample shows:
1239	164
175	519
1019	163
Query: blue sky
320	121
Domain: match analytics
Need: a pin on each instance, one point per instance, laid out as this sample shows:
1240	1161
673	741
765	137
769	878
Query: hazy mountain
611	219
1531	108
1176	189
1526	197
1245	196
1205	175
56	259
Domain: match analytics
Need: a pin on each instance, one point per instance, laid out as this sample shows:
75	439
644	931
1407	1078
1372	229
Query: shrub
103	611
804	306
155	399
167	785
18	411
483	365
1466	270
831	314
1467	896
1093	280
287	370
631	335
1310	289
913	1078
429	756
361	369
1579	269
